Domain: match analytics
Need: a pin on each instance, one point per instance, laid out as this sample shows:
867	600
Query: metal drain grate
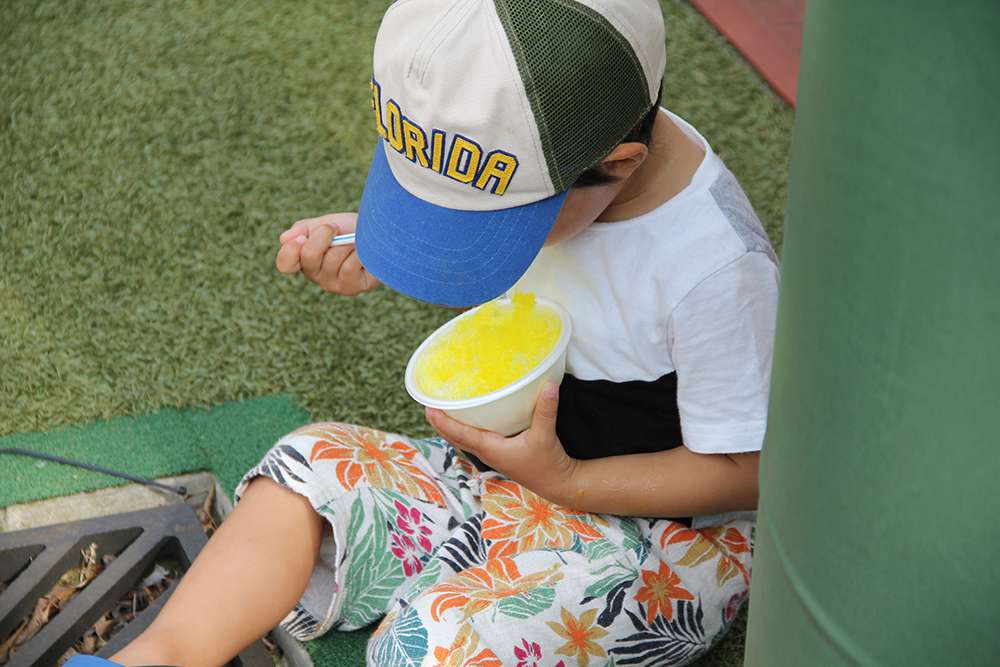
31	562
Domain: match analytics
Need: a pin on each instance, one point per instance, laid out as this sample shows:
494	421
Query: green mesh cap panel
584	82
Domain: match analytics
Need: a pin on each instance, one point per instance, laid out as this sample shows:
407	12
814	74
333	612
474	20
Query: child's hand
306	248
533	458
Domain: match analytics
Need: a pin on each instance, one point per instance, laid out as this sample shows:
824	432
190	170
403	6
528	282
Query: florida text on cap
487	111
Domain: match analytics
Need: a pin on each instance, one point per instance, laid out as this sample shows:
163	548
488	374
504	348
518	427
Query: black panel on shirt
599	418
603	418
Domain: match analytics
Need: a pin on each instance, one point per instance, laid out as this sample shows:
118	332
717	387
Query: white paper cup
509	409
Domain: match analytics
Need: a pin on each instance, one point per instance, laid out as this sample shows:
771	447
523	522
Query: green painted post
879	534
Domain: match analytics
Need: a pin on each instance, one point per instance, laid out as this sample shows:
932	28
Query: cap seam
525	75
395	6
444	28
555	169
629	35
529	116
619	34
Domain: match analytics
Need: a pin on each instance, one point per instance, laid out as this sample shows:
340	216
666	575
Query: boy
507	126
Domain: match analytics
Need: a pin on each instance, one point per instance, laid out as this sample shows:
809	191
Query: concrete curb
114	500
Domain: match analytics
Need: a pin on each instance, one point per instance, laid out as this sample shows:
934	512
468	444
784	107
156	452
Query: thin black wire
181	490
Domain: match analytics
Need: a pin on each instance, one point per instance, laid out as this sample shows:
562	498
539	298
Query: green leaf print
358	520
403	643
374	573
428	577
632	539
527	604
600	588
599	549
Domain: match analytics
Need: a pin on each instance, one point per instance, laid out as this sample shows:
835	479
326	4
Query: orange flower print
367	455
658	591
477	588
579	634
463	652
716	542
518	520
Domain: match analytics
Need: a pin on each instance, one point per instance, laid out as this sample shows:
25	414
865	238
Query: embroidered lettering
394	125
377	106
437	150
499	166
416	142
461	160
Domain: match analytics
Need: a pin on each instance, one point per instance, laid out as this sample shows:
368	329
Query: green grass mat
340	649
227	439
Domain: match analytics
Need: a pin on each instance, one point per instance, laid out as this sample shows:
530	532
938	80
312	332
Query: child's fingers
352	278
288	256
307	226
306	248
466	438
447	428
300	228
314	251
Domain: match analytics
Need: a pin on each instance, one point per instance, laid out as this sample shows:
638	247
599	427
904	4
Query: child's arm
306	248
676	482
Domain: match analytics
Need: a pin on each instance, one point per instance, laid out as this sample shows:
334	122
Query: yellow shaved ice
487	350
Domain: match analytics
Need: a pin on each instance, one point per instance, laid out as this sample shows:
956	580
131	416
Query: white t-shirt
686	293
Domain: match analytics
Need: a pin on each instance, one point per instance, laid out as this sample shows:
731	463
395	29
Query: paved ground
768	33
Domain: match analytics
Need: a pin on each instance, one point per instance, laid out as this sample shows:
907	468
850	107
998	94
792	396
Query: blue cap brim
445	256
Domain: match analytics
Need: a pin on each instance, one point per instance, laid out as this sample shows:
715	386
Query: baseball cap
488	111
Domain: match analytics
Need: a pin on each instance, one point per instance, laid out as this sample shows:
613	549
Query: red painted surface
768	33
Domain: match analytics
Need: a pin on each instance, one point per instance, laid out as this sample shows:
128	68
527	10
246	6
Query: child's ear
624	159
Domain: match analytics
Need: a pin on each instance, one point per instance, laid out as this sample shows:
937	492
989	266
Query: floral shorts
473	569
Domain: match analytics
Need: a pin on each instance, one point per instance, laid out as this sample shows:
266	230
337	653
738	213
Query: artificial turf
227	439
151	151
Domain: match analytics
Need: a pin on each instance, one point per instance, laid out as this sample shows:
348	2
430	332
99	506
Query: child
506	126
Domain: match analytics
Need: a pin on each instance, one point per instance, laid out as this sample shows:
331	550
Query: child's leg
333	523
245	581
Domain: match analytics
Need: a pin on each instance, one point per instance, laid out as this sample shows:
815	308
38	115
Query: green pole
878	541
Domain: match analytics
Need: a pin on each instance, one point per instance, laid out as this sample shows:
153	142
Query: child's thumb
546	408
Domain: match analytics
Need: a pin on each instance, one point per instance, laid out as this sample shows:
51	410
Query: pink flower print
409	520
734	605
532	650
405	550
